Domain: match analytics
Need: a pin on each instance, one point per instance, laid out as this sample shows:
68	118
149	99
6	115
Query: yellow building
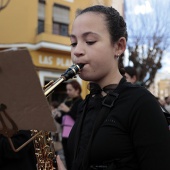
43	27
164	88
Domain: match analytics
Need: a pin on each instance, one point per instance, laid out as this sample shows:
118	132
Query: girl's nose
78	51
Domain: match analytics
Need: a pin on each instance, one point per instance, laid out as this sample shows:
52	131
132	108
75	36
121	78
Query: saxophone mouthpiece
72	71
81	65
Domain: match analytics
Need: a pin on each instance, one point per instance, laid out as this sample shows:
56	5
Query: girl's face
91	45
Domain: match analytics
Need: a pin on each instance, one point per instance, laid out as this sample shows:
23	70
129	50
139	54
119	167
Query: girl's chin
82	77
85	78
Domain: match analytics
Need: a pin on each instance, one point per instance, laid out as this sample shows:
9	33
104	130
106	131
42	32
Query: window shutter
41	11
61	15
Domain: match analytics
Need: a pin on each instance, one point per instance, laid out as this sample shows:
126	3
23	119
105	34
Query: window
60	20
56	28
60	29
40	26
41	16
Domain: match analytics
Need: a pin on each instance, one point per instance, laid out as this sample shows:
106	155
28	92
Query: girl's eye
90	42
73	44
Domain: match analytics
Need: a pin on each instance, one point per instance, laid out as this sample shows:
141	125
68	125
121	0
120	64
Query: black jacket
134	136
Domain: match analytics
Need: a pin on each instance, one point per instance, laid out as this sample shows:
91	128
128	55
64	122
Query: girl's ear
121	46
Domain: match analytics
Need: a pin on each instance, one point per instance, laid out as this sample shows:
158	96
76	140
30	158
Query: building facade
164	88
161	85
43	27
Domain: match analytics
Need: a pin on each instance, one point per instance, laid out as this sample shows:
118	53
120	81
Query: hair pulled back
115	24
75	84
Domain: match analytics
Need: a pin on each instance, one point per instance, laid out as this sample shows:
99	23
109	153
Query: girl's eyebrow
84	34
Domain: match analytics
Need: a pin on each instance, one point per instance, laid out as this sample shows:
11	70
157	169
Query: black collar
96	89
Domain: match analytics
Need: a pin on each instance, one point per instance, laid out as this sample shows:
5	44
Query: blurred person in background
56	136
68	113
161	101
54	111
131	74
167	103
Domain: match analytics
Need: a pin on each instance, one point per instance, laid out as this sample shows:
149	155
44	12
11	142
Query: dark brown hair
131	71
75	84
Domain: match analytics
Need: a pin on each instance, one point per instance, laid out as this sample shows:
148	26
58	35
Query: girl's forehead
87	22
91	17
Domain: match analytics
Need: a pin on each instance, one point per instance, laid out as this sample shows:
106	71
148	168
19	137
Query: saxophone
44	150
43	143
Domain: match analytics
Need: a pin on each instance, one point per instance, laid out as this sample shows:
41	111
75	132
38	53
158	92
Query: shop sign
54	61
51	61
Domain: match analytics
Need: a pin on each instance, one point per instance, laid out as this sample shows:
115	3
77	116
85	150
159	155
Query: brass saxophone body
43	143
44	151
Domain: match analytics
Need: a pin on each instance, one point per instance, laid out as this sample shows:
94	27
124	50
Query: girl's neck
106	82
